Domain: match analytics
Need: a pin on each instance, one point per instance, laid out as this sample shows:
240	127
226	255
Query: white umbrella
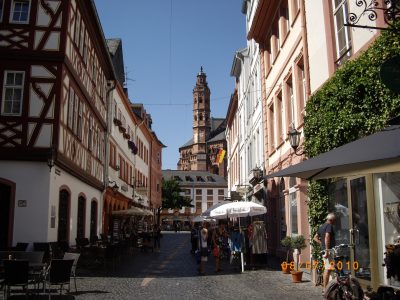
133	211
206	213
198	219
236	210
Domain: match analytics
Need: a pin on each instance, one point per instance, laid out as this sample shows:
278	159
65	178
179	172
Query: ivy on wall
353	103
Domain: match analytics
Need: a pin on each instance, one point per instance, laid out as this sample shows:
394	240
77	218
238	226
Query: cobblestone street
172	274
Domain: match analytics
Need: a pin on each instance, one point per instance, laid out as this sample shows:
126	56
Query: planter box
117	122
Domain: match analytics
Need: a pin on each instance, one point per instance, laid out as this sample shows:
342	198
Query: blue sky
165	42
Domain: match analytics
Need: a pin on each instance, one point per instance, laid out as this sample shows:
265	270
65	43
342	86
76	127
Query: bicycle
345	286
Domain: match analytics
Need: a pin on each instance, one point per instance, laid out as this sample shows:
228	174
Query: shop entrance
5	216
349	200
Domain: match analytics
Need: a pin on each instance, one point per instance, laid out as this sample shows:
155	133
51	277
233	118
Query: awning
133	211
380	149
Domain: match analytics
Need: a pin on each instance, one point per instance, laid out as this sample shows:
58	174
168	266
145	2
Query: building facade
279	29
205	151
364	198
54	86
64	109
204	188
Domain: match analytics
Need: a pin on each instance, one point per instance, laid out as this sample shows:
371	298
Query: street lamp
51	157
115	187
294	140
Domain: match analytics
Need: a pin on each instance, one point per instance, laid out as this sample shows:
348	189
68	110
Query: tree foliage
172	197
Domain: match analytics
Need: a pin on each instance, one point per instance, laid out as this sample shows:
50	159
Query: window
13	92
342	32
290	111
301	90
93	219
280	118
293	206
282	204
76	109
198	191
80	120
284	20
271	131
1	9
80	227
90	135
20	11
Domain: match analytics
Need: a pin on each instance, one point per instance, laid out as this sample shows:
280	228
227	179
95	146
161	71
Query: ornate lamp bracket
370	8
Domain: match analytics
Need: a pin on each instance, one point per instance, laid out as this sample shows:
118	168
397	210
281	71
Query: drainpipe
305	47
111	85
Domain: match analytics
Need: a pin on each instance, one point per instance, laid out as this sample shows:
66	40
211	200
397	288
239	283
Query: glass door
359	235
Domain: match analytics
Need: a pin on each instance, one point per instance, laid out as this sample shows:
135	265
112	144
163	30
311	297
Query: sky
165	42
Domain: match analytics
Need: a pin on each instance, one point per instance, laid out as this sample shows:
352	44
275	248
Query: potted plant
298	243
287	243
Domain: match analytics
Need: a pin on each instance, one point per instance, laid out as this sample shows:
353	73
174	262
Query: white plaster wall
122	146
32	184
317	47
76	187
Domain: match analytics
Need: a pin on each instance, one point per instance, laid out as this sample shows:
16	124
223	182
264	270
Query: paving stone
172	274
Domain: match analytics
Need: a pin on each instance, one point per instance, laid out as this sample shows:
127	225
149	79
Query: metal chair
58	273
75	257
16	274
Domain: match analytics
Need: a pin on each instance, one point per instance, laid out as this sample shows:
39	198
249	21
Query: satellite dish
390	74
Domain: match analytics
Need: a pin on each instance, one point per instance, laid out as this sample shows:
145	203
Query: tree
172	195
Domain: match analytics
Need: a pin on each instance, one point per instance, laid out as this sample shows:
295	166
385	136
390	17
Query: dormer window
20	11
199	178
210	179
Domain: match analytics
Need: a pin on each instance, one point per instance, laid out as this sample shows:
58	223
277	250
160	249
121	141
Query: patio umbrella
133	211
198	219
238	209
206	213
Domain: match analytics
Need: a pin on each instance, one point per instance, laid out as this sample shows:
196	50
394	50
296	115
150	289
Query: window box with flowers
122	129
117	122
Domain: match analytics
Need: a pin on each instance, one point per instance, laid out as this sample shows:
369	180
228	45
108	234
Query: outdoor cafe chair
75	257
58	273
16	274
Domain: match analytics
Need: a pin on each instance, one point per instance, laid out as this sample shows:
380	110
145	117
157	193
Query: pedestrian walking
220	243
325	237
157	237
194	238
203	248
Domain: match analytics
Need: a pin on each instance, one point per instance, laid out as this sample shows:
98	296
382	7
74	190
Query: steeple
201	118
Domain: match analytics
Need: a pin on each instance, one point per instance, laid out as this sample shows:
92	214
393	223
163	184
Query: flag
220	156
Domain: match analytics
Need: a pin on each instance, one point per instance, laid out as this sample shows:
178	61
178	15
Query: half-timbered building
55	74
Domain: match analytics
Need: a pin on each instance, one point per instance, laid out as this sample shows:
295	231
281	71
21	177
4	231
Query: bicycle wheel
353	291
356	289
332	291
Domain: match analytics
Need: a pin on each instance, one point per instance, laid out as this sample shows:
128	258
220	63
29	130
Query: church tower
201	121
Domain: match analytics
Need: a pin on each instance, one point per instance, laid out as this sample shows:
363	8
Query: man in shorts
325	236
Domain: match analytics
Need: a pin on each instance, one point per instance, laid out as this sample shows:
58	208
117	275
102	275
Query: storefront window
387	194
282	208
293	206
339	204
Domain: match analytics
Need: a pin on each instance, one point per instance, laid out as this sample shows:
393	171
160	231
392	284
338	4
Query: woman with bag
220	242
203	247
